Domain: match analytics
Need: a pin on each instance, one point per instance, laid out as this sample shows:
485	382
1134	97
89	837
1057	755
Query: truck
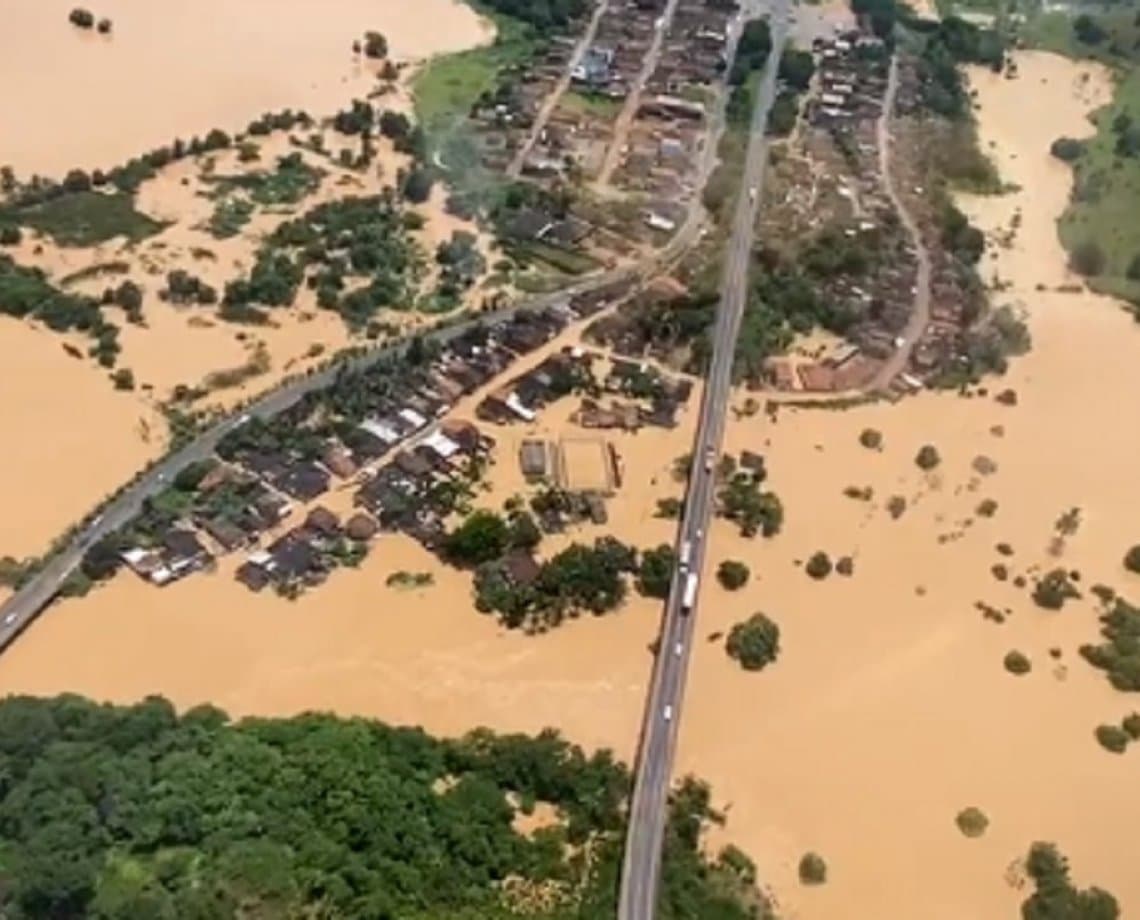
690	596
686	554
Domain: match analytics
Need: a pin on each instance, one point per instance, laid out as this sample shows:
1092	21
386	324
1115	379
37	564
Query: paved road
641	869
552	98
920	310
633	97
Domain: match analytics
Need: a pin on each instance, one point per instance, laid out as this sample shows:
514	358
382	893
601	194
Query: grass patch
292	180
230	215
566	261
593	104
88	218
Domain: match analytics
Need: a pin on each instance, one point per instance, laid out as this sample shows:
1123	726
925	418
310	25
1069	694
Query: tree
375	45
1087	258
972	821
105	25
871	439
417	185
1067	149
123	379
796	68
1132	559
1112	738
1016	663
482	537
10	235
1088	30
732	574
394	125
1055	896
812	869
818	566
656	571
1053	589
927	457
754	643
82	18
524	532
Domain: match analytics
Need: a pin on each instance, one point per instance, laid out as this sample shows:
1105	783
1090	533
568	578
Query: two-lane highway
641	868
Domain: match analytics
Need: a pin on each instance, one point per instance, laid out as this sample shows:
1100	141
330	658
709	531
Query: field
89	218
1101	217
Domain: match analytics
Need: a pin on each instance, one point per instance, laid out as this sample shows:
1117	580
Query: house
535	459
361	527
252	575
304	481
337	458
183	552
521	568
322	521
464	434
228	535
412	464
269	508
292	556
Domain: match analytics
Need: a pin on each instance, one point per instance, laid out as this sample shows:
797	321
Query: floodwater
888	710
182	67
69	438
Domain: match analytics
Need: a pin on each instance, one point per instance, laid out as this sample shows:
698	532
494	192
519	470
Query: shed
534	459
252	576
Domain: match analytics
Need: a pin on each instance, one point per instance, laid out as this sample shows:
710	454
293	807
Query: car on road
899	341
10	619
710	456
668	713
752	193
678	648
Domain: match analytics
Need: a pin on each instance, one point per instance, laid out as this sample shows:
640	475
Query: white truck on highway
686	554
690	596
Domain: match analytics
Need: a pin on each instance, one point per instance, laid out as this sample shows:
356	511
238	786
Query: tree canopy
126	813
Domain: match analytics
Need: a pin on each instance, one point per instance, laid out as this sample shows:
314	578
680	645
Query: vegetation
1053	589
1067	149
82	18
927	457
972	821
364	239
1131	724
752	51
579	578
345	818
871	439
404	579
755	643
753	510
655	573
184	288
291	180
669	508
812	870
1132	559
85	218
1054	895
818	566
1119	655
732	574
26	292
482	537
1016	663
1112	738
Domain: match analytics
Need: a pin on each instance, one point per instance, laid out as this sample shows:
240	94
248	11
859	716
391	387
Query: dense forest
137	812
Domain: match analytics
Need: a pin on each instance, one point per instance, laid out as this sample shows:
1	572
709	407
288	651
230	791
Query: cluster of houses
399	454
852	77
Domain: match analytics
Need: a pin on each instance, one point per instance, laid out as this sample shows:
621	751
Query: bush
1055	897
104	26
1088	30
123	379
1112	738
754	643
1132	559
972	821
871	439
845	565
896	505
375	45
1067	149
927	457
1087	259
813	870
483	537
81	17
818	566
1016	663
1054	589
668	508
732	575
655	573
10	235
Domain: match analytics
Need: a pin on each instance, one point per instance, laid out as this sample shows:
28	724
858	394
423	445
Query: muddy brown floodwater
181	67
888	710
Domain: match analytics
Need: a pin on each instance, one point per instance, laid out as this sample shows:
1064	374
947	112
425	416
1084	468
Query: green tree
819	565
732	574
812	869
1054	895
656	572
1132	559
927	457
754	643
482	537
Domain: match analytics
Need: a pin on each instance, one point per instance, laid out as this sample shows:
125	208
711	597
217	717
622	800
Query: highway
641	868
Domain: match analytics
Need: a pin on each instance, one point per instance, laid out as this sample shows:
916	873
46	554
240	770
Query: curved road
641	869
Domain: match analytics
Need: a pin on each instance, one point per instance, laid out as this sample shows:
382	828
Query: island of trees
139	812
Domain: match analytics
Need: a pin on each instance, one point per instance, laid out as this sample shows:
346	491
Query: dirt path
633	100
920	311
552	100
